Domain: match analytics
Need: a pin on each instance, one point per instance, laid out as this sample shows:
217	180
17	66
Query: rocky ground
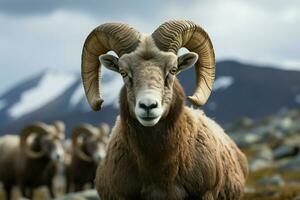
272	145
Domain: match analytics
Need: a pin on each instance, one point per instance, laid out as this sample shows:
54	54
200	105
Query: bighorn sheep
160	148
88	149
29	160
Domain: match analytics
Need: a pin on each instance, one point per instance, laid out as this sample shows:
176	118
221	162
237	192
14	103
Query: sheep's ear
104	129
186	60
110	62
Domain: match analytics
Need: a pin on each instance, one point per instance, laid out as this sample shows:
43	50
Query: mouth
148	121
148	118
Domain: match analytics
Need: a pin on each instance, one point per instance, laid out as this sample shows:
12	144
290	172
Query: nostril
144	106
154	105
148	107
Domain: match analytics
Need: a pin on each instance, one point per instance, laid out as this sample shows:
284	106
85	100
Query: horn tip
96	106
196	100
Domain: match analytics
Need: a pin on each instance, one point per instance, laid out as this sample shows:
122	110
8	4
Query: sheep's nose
97	158
148	105
56	157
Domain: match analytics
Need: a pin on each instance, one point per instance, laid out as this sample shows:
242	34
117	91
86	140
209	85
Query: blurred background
256	94
256	44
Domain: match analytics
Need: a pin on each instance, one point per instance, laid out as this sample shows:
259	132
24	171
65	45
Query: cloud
32	44
251	31
49	34
91	7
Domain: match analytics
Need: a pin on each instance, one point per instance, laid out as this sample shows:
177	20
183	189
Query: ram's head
89	142
148	65
39	140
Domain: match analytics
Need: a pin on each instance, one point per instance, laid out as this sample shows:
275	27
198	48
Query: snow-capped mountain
239	90
52	95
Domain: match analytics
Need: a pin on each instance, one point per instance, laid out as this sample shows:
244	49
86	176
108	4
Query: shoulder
208	125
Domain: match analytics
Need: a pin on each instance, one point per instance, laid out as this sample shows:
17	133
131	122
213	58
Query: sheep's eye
123	73
173	70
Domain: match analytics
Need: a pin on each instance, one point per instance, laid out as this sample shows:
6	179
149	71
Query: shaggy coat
185	155
18	169
85	155
80	172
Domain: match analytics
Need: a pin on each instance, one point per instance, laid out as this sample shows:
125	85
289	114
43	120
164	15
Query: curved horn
60	129
84	129
173	35
36	128
111	36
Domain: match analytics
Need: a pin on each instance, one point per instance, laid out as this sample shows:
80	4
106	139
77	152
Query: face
53	148
94	147
149	75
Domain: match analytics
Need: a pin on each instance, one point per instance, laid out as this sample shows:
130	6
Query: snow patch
297	98
111	89
2	104
77	96
111	85
50	87
223	82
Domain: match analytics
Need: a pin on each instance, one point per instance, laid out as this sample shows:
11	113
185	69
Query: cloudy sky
39	34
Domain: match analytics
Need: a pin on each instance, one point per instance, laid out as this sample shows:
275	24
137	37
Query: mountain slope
239	90
255	92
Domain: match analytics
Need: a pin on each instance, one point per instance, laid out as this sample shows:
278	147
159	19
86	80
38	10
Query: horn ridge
172	35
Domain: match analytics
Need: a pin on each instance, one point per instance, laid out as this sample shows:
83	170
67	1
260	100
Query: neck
157	142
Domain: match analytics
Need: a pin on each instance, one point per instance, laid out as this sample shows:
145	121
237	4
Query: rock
293	164
263	159
273	135
273	180
259	164
285	124
251	138
285	150
268	194
241	124
293	140
265	153
86	195
245	139
249	190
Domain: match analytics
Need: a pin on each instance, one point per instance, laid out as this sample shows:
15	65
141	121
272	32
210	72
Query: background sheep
31	157
161	149
88	149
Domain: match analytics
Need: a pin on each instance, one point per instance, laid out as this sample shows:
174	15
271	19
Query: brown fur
18	169
184	156
79	173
